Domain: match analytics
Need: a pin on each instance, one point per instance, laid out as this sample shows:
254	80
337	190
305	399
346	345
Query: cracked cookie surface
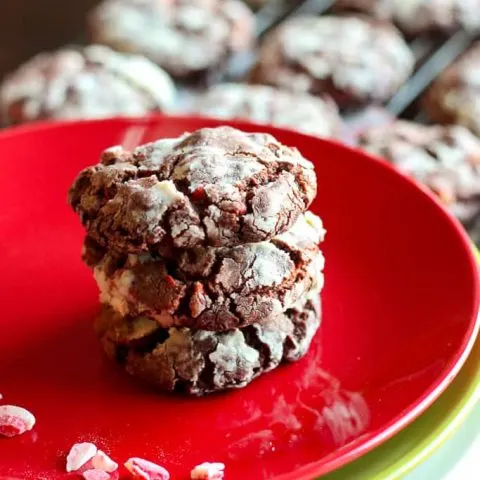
446	159
213	187
198	361
214	288
89	82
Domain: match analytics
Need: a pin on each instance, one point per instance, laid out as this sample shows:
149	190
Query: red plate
400	308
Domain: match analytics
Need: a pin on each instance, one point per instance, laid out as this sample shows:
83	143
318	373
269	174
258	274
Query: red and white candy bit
79	455
15	420
208	471
140	468
95	474
101	461
1	397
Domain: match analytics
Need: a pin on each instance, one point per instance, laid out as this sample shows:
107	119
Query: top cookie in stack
215	187
206	259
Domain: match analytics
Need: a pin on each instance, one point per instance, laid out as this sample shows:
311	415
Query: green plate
417	442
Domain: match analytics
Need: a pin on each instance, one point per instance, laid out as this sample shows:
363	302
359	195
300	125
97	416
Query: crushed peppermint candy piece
1	396
208	471
145	470
79	455
95	474
15	420
101	461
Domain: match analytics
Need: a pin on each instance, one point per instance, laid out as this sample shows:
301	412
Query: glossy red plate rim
369	441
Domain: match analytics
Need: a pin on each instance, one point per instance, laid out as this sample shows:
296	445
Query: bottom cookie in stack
201	361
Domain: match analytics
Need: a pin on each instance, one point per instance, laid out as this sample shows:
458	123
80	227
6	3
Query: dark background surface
29	26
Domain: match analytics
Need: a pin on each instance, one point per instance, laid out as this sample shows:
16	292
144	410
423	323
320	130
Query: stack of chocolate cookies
205	255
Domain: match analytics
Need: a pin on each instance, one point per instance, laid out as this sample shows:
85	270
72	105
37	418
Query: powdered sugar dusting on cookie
156	152
199	361
213	165
213	187
226	359
270	265
216	288
308	229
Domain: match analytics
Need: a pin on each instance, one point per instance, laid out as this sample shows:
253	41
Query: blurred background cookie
267	105
355	60
455	96
213	187
418	16
91	82
446	159
188	38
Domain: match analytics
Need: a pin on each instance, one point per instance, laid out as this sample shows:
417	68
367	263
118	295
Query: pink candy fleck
101	461
79	455
145	470
208	471
95	474
15	420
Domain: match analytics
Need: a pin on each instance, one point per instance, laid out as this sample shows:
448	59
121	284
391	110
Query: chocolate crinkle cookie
267	105
446	159
199	361
188	38
90	82
418	16
356	60
214	288
455	96
214	187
